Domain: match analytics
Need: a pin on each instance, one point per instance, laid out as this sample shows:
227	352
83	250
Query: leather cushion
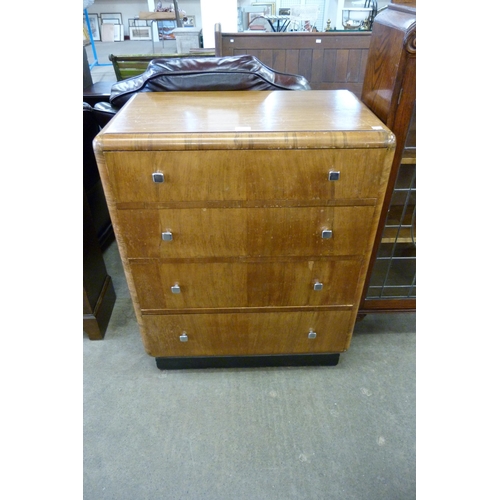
243	72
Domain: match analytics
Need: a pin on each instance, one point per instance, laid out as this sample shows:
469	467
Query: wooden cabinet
245	221
328	60
389	90
98	292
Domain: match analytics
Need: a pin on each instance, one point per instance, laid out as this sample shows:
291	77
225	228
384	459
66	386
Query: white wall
223	12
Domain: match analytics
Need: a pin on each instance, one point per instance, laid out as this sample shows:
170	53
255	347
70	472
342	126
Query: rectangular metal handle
333	175
158	177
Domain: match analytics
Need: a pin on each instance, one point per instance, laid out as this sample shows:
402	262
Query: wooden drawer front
245	175
220	285
246	232
246	333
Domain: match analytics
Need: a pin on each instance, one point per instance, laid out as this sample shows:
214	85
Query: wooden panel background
329	60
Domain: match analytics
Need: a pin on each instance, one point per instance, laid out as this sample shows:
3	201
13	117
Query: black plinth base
178	363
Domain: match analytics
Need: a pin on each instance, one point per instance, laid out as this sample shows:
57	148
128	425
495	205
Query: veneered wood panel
298	231
245	175
244	284
246	211
292	283
251	232
196	232
394	34
242	120
247	333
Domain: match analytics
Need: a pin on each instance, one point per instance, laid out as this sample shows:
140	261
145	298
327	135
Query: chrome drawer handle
312	335
326	234
318	286
176	288
333	175
158	177
183	337
167	236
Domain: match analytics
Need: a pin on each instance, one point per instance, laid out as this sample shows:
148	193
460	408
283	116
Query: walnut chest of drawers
245	221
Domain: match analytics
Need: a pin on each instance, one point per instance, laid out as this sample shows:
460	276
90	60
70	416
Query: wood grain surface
246	197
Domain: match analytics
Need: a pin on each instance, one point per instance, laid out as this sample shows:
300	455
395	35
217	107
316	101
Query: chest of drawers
245	221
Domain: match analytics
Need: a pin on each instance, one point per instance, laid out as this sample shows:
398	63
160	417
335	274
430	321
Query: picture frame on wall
140	32
94	26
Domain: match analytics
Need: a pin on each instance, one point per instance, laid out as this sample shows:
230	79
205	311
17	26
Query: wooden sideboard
245	221
328	60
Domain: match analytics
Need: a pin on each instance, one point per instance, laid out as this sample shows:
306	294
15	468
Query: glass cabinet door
394	271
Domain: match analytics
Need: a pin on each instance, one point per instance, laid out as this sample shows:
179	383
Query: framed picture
189	22
140	32
114	15
111	21
94	26
268	8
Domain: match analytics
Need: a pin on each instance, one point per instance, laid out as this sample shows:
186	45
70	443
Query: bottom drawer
247	333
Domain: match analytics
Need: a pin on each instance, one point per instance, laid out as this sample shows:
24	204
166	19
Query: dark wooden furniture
245	221
329	60
97	92
389	90
98	291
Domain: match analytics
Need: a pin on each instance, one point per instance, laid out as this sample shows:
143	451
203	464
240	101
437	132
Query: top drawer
246	175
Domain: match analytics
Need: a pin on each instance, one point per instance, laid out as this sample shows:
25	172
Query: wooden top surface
157	15
244	119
